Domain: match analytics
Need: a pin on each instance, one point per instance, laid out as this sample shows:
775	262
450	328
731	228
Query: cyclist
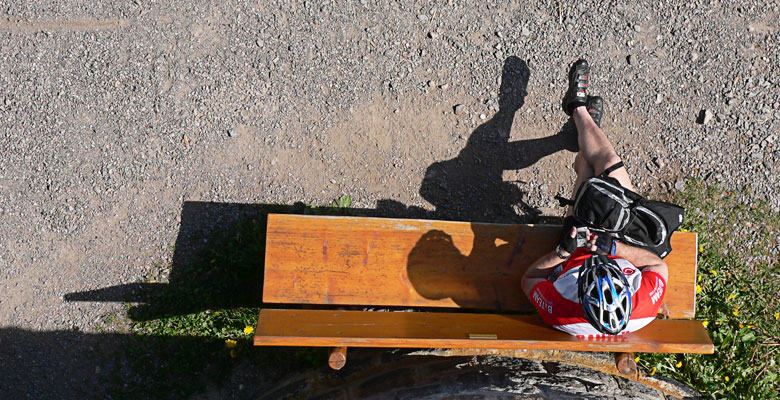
591	284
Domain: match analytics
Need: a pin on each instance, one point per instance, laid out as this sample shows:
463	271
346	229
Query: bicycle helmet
604	294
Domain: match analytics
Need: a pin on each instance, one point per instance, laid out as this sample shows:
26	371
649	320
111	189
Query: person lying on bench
593	285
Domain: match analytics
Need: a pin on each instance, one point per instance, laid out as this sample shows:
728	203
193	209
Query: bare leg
596	153
584	171
596	148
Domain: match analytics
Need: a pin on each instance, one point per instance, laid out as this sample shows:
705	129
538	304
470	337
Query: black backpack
603	205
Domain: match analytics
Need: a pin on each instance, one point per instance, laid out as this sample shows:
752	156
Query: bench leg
338	357
625	363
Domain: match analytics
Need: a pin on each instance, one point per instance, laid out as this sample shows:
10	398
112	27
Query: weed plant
738	284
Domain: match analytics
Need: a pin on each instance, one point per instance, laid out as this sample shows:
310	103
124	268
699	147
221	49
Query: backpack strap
563	202
612	168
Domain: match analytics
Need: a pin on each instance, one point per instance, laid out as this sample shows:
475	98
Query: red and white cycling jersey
558	303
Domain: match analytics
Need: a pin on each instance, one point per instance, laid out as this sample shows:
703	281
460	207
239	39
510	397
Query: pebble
457	109
650	166
705	117
659	98
233	132
433	35
658	162
482	116
525	31
679	185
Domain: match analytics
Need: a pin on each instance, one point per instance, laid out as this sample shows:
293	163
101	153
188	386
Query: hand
568	240
592	243
578	237
605	244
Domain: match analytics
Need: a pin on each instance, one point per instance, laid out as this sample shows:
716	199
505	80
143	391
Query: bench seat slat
451	330
425	263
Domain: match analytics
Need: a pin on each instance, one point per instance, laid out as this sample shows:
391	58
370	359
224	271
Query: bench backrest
425	263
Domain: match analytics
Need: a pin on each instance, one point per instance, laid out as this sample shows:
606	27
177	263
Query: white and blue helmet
604	294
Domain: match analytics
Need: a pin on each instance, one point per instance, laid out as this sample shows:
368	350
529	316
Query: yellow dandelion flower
683	230
731	297
750	326
741	326
213	260
233	353
699	278
679	364
698	288
636	359
713	272
652	371
726	378
705	323
249	330
777	315
230	343
736	312
701	249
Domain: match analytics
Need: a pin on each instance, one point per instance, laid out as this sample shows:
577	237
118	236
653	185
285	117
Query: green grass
738	285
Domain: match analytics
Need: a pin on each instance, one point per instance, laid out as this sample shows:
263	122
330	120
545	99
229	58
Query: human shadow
470	187
219	251
218	261
488	275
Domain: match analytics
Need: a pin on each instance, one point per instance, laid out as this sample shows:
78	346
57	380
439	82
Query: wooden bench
468	274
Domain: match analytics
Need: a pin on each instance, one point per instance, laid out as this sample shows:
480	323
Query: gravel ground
113	114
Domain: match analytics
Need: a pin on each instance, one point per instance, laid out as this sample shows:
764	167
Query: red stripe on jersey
558	311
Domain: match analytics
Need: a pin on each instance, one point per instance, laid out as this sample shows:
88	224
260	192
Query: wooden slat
424	263
451	330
